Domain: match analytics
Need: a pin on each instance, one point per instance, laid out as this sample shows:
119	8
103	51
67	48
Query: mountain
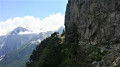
18	30
16	48
60	30
20	56
91	37
13	40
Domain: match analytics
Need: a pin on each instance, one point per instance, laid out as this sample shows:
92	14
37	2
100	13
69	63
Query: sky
36	15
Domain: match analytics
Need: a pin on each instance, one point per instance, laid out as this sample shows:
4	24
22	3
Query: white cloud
52	22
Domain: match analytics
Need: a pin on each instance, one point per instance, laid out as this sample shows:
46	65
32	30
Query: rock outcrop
96	21
94	25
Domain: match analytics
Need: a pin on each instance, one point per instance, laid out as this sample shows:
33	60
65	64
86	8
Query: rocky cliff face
97	21
94	25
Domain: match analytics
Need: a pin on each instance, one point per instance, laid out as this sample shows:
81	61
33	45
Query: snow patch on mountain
1	57
35	42
1	45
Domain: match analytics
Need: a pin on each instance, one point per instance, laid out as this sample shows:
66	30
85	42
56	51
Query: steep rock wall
96	21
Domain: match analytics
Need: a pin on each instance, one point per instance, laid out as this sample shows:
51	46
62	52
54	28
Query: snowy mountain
16	48
20	56
18	30
13	41
60	30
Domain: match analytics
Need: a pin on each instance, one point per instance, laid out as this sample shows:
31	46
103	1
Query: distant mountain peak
60	30
18	30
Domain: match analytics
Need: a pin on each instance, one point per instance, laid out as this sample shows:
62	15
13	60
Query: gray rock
95	20
95	23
